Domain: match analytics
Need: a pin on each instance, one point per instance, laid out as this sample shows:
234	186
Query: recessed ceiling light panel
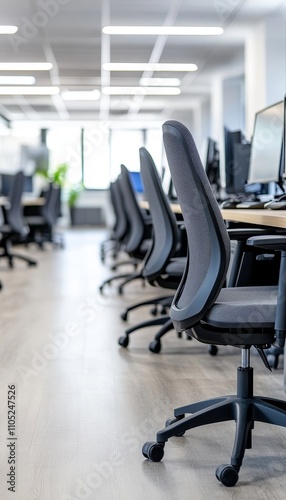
17	80
8	30
184	67
25	66
163	30
29	90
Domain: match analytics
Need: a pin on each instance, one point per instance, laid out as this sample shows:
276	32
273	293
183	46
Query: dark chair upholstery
137	240
14	230
240	317
120	228
42	226
160	267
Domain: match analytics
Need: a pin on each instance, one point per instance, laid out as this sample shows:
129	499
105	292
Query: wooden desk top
25	201
263	217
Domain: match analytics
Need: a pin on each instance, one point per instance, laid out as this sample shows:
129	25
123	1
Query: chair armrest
278	243
242	234
268	242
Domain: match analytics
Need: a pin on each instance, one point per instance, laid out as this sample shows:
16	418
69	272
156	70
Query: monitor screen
166	181
212	162
136	182
232	172
7	181
266	148
167	184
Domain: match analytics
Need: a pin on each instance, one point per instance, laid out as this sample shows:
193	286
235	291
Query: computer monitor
136	182
212	163
232	172
167	184
266	157
7	180
6	183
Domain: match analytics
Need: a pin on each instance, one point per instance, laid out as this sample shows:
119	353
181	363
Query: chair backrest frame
208	241
165	231
14	214
133	212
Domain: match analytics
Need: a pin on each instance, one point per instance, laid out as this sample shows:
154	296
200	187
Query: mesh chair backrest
208	241
121	225
50	208
165	232
15	211
133	212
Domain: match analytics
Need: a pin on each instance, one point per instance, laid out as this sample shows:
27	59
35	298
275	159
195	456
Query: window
96	170
94	154
64	144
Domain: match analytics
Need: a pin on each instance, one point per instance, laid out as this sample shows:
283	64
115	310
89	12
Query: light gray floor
85	406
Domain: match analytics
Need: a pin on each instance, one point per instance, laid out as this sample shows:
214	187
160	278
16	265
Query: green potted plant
58	175
73	195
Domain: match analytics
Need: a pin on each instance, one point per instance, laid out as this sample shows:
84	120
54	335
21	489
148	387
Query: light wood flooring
85	406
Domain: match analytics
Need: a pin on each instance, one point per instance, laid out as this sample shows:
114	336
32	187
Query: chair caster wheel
227	475
273	360
101	290
30	264
124	316
163	310
154	451
120	291
171	421
154	311
213	350
155	346
123	341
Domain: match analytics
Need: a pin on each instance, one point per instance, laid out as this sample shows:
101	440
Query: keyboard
276	205
250	204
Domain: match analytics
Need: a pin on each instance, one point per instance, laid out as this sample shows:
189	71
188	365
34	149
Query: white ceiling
70	37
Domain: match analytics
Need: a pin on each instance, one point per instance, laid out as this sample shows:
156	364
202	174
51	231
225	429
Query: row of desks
29	201
263	217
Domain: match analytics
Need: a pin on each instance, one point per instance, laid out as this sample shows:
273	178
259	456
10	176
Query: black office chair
120	227
164	264
137	240
42	226
241	317
14	230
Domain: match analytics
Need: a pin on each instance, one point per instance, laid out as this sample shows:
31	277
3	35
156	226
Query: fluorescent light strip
29	90
163	30
149	67
160	82
141	91
4	66
17	80
81	95
8	30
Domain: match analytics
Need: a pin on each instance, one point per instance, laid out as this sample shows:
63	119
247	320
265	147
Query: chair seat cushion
176	266
35	220
246	306
7	230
